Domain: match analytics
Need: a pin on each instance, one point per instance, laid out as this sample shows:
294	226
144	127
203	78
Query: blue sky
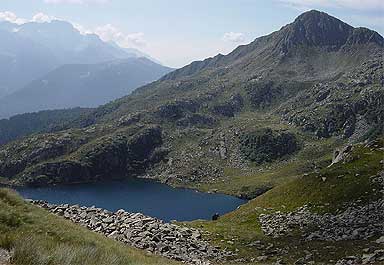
178	32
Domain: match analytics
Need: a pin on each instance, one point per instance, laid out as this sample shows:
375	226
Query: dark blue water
139	195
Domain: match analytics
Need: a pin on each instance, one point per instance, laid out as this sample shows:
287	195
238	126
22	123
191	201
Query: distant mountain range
82	85
52	65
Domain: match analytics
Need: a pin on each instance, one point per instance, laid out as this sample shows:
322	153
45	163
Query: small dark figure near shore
215	216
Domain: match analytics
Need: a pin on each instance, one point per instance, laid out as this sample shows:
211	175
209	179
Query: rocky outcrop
195	119
5	257
339	108
369	257
356	222
266	145
16	157
144	232
341	154
176	110
116	155
229	108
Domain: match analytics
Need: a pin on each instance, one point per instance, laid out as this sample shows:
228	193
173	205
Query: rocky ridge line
144	232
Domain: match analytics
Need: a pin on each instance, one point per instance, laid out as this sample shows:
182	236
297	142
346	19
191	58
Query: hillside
194	121
82	85
332	215
38	122
292	121
38	237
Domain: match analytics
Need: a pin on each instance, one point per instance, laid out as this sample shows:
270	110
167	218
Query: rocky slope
144	232
314	78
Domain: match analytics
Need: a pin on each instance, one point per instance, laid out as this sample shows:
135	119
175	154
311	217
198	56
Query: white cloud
41	18
79	2
111	33
352	4
11	17
83	30
235	37
107	32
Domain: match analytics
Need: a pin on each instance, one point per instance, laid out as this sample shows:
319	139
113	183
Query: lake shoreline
139	195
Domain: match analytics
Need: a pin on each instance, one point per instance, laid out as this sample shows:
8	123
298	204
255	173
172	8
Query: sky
177	32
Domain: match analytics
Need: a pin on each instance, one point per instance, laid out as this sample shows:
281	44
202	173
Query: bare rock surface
5	257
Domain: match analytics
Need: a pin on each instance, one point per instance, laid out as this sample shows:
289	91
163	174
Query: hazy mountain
30	50
132	52
84	85
21	60
68	45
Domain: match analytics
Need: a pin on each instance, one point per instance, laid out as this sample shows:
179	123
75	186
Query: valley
292	122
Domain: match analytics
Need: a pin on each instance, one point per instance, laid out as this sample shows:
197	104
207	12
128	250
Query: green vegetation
39	122
40	238
265	145
326	190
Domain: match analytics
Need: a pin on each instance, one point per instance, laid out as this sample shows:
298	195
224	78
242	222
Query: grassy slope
313	153
41	238
345	182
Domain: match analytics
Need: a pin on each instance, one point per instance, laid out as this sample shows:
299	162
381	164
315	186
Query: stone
5	257
380	240
108	220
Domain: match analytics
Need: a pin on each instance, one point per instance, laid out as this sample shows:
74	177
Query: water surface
138	195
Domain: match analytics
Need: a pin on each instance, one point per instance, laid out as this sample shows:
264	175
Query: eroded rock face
112	155
144	232
267	145
15	158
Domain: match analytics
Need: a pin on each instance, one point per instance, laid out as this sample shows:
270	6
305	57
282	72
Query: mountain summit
315	28
311	34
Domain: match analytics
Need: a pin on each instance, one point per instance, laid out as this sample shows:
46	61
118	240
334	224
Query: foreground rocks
144	232
5	257
356	222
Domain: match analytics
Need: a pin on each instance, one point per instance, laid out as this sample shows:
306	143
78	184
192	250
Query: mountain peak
316	28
